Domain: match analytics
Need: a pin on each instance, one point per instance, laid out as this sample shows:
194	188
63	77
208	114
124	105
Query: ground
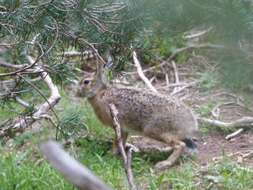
214	146
211	148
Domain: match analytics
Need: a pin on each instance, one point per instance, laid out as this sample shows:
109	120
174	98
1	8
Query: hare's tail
190	143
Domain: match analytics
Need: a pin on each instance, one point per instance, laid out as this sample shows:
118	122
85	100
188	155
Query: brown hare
156	116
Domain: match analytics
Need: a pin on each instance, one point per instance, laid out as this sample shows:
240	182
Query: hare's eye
86	82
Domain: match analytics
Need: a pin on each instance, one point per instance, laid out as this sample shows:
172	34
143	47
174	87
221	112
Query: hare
162	118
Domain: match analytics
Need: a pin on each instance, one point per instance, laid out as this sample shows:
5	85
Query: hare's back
138	109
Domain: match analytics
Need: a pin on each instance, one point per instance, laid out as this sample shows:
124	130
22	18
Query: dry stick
172	85
243	122
167	79
141	74
176	76
22	102
175	71
234	134
72	170
187	85
198	34
126	157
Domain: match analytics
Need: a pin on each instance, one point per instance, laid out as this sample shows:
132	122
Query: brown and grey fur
156	116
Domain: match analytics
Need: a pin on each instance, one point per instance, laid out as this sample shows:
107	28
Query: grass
205	109
208	80
22	166
230	175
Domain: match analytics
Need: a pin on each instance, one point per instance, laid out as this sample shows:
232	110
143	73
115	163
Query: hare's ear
110	61
100	73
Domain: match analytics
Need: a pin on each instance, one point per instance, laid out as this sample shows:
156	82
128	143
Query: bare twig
126	157
8	45
72	170
248	154
243	122
175	71
167	79
141	74
216	110
181	84
176	76
180	50
22	102
234	134
180	89
198	34
9	65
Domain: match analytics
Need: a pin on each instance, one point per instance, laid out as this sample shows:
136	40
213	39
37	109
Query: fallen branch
243	122
126	157
141	74
72	170
234	134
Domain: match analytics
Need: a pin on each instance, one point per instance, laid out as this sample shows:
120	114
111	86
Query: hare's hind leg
178	148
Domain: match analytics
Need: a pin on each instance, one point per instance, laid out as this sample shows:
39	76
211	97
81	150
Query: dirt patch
214	146
211	148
